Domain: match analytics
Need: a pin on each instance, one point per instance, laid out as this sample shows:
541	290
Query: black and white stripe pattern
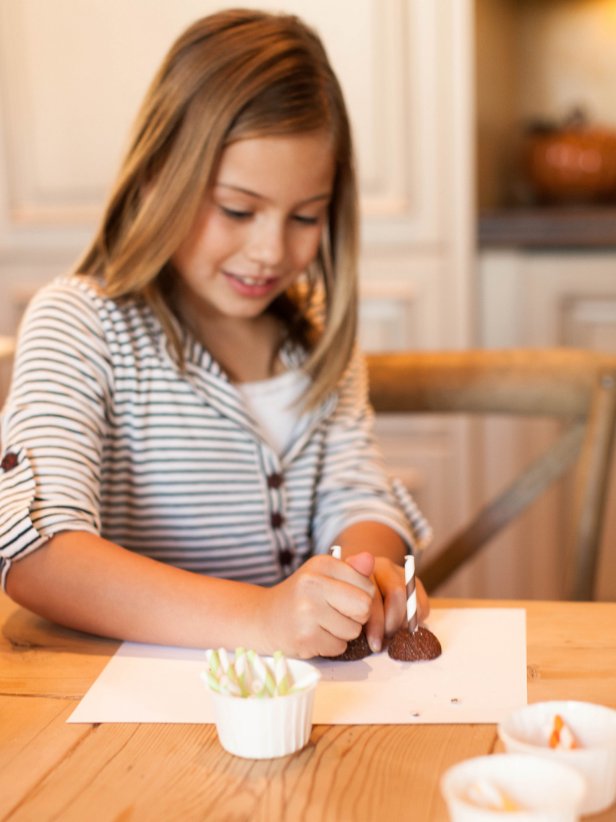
104	434
411	593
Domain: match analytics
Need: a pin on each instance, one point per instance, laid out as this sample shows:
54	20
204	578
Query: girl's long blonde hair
232	75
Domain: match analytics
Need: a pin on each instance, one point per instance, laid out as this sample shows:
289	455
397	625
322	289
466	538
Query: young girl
188	431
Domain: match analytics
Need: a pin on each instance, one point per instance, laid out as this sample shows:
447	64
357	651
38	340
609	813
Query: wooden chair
577	387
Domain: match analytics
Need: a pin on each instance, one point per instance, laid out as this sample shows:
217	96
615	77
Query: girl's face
260	225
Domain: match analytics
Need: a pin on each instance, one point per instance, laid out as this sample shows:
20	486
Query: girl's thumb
363	563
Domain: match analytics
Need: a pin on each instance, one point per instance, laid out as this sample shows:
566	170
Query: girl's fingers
363	563
324	584
329	601
347	600
390	581
355	570
339	626
329	645
375	627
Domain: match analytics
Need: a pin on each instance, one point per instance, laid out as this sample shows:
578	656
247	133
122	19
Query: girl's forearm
375	538
84	582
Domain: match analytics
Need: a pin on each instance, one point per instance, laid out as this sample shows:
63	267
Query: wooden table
51	770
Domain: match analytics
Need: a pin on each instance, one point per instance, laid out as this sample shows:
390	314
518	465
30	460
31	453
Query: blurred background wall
458	249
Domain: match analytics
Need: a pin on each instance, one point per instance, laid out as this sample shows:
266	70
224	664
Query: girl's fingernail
375	644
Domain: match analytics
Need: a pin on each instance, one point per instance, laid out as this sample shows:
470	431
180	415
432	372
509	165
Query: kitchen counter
548	228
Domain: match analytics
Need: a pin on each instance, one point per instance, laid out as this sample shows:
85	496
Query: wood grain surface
50	770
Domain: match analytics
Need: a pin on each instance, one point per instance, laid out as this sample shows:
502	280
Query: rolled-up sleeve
53	424
354	484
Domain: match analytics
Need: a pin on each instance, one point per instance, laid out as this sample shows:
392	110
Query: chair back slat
487	382
590	492
536	479
576	386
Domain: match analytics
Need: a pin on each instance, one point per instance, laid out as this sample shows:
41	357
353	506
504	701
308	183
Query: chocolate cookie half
357	648
421	644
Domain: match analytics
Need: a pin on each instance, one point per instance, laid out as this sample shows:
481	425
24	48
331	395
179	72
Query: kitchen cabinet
71	79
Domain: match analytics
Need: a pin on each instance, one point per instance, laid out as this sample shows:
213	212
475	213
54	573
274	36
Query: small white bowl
527	731
546	791
266	727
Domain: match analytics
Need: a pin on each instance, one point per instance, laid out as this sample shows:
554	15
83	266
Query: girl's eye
304	220
235	214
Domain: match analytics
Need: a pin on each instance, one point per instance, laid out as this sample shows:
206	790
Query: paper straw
336	552
242	672
305	682
223	657
248	675
228	674
213	661
261	673
281	674
211	680
230	685
411	593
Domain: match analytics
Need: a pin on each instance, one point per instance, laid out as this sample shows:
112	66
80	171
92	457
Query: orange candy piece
562	736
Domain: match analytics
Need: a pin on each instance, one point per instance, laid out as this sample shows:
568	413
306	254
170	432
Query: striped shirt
103	432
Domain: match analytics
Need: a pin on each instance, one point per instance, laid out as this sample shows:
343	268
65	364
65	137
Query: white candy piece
249	675
486	794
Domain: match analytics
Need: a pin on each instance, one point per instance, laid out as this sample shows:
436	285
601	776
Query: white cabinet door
72	74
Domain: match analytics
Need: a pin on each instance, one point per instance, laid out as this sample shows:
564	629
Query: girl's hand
320	607
388	610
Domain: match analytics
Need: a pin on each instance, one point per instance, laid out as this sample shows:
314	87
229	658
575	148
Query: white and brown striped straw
411	593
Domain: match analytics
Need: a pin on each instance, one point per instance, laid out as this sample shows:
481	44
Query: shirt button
8	461
276	519
274	480
285	556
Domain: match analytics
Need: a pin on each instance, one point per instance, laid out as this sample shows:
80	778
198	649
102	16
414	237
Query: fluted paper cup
267	727
594	726
545	791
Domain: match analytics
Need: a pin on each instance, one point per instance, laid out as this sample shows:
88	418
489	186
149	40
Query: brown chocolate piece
408	646
357	648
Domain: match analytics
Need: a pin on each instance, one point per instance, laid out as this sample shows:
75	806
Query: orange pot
572	165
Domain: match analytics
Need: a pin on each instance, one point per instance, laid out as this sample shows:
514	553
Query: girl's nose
267	244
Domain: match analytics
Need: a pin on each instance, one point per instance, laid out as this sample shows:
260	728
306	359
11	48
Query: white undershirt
271	403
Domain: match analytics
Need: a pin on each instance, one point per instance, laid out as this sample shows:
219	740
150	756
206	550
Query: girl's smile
247	286
258	229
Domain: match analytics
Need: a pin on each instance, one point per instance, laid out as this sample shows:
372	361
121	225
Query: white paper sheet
479	678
